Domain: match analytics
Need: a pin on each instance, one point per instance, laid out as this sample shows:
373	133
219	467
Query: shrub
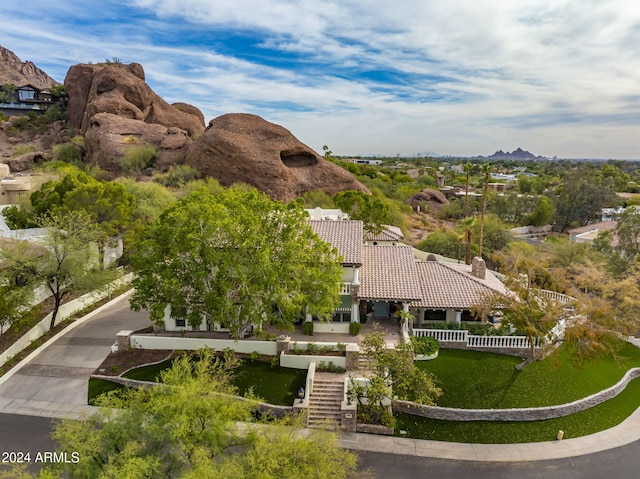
307	328
178	175
312	347
342	347
425	345
329	368
20	122
137	158
67	152
22	149
354	328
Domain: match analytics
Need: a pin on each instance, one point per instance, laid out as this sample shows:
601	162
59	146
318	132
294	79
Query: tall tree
234	258
582	196
66	264
486	171
373	212
468	168
108	203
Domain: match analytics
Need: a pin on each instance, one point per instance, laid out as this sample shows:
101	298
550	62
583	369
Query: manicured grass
273	384
471	379
598	418
98	387
276	385
148	373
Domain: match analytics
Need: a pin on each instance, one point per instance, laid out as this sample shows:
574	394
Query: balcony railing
346	289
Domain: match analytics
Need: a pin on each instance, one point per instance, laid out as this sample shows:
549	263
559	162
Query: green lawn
471	379
274	384
598	418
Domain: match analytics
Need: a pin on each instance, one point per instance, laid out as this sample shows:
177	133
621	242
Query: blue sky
452	77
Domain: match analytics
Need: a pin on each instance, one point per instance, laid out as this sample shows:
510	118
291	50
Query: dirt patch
117	363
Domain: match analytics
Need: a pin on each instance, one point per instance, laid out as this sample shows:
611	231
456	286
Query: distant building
364	161
28	98
14	188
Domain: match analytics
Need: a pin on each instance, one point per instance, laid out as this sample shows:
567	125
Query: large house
382	277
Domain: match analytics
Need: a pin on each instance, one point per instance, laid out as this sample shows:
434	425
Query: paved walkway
52	382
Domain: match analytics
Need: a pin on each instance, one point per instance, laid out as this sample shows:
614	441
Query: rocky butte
115	109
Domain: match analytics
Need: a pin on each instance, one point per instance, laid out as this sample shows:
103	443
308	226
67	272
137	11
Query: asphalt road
31	434
619	463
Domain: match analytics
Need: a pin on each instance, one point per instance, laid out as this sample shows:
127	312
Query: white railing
346	289
499	342
454	335
470	340
553	296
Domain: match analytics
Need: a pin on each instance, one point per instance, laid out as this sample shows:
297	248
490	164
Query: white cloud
470	77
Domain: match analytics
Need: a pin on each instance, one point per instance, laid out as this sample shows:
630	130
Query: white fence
449	335
144	341
553	296
471	340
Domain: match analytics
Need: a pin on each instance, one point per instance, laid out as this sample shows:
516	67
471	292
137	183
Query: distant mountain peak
517	154
15	71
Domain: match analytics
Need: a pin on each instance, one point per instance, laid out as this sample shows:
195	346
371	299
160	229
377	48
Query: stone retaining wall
516	414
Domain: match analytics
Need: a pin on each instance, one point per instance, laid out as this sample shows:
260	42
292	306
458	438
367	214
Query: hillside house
381	277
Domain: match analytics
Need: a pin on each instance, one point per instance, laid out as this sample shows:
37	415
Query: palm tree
467	169
468	224
486	170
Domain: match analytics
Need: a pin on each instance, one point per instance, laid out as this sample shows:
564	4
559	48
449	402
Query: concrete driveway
55	382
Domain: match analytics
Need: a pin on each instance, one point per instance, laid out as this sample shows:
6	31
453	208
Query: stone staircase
364	363
324	404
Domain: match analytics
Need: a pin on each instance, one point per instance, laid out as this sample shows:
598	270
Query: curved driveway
53	382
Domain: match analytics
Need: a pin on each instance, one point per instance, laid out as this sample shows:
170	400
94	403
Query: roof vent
432	257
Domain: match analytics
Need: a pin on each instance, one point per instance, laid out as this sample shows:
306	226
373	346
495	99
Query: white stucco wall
302	361
143	341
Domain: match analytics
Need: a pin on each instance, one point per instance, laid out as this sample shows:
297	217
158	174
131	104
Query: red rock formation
246	148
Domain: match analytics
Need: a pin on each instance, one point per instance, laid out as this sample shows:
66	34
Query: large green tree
582	196
192	427
66	264
373	212
236	258
107	203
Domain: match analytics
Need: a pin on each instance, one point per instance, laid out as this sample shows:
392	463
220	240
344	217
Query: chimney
478	267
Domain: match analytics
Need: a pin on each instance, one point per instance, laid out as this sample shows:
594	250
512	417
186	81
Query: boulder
108	136
434	199
246	148
122	91
26	161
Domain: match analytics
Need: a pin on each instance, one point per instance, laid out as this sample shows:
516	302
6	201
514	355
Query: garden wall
143	341
517	414
64	312
302	361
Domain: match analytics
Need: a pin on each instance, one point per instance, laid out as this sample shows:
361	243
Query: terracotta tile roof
389	273
345	235
389	233
452	286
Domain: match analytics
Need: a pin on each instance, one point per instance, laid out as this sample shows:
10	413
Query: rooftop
345	235
453	286
389	273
